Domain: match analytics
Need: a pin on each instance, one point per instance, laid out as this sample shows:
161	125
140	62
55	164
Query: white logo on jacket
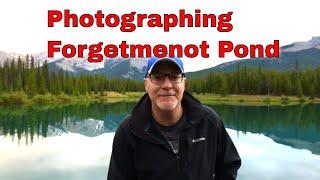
199	139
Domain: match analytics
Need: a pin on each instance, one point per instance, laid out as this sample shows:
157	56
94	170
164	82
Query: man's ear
145	85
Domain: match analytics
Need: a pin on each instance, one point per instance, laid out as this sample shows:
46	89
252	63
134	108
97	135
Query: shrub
14	98
42	99
302	100
267	100
64	98
285	100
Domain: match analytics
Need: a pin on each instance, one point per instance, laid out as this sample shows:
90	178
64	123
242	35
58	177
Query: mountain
4	56
128	68
88	127
111	68
39	57
305	54
132	68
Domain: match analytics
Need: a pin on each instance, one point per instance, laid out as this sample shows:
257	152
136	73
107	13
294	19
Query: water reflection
297	126
72	156
69	156
264	159
86	119
74	142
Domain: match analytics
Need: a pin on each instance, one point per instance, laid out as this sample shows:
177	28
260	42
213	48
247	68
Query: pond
74	142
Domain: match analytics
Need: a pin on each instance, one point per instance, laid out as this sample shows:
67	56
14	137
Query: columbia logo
197	140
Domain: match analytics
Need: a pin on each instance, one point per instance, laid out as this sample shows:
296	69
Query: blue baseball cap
154	60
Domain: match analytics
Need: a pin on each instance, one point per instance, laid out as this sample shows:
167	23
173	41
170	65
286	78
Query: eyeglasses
159	78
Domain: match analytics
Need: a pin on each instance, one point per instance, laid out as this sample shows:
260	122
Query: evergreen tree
223	90
299	88
31	84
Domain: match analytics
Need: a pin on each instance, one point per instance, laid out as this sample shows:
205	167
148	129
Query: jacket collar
140	120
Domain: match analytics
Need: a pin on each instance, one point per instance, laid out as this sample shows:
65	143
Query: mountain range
305	54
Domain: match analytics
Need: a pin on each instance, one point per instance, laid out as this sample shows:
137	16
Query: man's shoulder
123	132
125	122
197	107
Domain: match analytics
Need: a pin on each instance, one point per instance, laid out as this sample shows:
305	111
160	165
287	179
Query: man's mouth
166	94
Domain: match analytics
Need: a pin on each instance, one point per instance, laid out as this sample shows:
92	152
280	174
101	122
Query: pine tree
42	85
223	85
18	81
299	92
45	74
31	84
1	81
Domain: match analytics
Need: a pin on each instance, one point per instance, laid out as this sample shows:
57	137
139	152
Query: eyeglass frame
166	75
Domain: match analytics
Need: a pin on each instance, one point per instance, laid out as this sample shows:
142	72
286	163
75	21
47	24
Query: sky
24	24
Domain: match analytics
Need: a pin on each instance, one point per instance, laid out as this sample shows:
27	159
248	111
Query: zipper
177	156
178	166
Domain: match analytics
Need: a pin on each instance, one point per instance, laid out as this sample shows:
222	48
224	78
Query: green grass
212	99
267	100
284	100
20	98
14	98
43	99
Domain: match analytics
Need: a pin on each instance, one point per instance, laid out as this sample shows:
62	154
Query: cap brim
170	60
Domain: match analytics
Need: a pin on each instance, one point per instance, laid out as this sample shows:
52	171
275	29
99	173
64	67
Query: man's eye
158	76
175	76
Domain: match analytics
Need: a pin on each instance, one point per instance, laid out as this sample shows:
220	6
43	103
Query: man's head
165	83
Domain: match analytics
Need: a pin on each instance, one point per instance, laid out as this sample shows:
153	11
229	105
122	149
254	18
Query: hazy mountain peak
138	63
134	68
314	42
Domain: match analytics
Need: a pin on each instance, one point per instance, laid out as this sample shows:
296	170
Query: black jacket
141	152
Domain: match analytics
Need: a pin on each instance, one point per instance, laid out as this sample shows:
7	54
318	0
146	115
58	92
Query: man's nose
167	83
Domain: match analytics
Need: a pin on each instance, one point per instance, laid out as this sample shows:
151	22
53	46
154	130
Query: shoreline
20	98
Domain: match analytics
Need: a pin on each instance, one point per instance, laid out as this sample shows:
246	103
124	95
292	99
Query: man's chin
167	106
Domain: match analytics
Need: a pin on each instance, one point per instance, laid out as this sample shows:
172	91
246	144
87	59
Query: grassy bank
254	100
20	98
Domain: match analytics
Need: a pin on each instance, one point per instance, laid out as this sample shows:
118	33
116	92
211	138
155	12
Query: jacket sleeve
228	160
121	161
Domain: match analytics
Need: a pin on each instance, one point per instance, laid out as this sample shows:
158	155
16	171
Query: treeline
19	75
35	121
31	78
259	82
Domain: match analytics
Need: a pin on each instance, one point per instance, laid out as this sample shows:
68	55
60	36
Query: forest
17	75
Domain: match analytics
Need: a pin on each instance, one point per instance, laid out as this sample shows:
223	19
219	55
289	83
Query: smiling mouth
166	94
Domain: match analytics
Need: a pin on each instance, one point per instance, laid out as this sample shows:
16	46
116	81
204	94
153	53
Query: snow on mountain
88	127
73	64
38	57
114	62
54	131
132	68
298	46
42	57
139	63
68	64
77	64
4	56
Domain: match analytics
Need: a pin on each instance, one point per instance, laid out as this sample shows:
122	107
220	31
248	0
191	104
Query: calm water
74	142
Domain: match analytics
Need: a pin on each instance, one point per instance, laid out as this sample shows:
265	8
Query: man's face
165	96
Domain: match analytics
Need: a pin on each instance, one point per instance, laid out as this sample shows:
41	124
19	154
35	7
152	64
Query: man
170	135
